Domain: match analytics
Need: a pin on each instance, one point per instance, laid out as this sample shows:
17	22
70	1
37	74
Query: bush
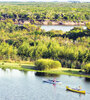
88	25
3	63
45	64
87	68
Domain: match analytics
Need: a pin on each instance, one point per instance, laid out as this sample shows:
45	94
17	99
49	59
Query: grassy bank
68	71
29	66
18	66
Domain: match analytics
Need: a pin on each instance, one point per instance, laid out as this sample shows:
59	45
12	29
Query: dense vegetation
30	42
45	64
87	68
55	11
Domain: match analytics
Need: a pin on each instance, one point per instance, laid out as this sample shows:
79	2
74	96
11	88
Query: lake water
59	27
18	85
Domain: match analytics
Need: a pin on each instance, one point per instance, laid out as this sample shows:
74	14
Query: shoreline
31	67
49	22
53	22
66	23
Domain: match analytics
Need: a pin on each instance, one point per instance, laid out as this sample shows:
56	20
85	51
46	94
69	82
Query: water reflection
11	70
27	86
4	69
46	74
87	79
23	71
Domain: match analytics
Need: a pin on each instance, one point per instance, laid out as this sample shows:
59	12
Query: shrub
88	25
3	63
87	68
45	64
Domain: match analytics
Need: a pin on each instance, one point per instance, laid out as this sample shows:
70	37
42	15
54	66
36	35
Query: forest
29	43
44	50
37	12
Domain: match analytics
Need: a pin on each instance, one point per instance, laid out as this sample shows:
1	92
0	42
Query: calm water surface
18	85
58	27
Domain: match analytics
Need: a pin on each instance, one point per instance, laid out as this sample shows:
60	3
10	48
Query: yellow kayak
75	90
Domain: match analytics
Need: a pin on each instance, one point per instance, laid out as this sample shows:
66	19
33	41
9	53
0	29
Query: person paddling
54	80
79	88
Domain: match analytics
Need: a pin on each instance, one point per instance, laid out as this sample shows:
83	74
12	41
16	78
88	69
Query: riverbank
48	22
66	23
29	66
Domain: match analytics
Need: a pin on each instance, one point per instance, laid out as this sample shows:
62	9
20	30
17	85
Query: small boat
52	81
75	90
